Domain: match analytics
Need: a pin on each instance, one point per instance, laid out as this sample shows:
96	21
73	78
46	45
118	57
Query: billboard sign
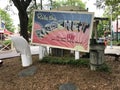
62	29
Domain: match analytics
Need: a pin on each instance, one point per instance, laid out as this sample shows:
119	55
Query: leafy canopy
57	3
7	19
111	6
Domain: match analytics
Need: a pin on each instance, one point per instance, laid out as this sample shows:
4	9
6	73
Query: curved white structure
22	46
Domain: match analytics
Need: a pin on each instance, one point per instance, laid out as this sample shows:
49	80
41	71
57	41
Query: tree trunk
23	17
22	6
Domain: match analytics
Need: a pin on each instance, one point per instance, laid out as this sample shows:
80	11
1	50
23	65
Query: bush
71	61
65	60
114	43
7	42
104	68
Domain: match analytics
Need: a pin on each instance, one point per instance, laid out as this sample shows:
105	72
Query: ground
51	76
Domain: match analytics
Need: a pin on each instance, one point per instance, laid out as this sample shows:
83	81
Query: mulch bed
51	76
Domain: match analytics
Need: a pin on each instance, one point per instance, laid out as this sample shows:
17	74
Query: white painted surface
22	47
77	56
113	50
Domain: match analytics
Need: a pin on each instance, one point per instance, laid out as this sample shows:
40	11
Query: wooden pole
117	30
41	4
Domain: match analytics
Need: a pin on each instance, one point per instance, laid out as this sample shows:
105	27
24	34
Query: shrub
7	42
71	61
65	60
104	68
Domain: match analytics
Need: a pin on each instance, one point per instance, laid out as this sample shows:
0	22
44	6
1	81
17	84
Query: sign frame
53	29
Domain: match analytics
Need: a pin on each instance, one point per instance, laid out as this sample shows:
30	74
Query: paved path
112	50
13	53
35	50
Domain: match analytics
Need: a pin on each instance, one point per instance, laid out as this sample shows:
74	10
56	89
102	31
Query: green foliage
71	61
30	11
102	27
114	42
8	21
30	23
66	60
7	42
104	68
57	3
115	4
100	31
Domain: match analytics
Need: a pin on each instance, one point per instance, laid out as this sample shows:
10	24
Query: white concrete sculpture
22	47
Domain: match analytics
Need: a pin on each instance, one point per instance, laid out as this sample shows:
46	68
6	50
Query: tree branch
21	5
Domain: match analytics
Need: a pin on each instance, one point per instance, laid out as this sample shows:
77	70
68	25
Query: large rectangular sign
62	29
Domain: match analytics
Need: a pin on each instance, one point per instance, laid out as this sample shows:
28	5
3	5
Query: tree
22	6
102	27
57	3
8	21
115	4
30	11
110	4
111	7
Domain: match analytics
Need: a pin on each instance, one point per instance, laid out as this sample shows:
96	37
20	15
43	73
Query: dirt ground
51	76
